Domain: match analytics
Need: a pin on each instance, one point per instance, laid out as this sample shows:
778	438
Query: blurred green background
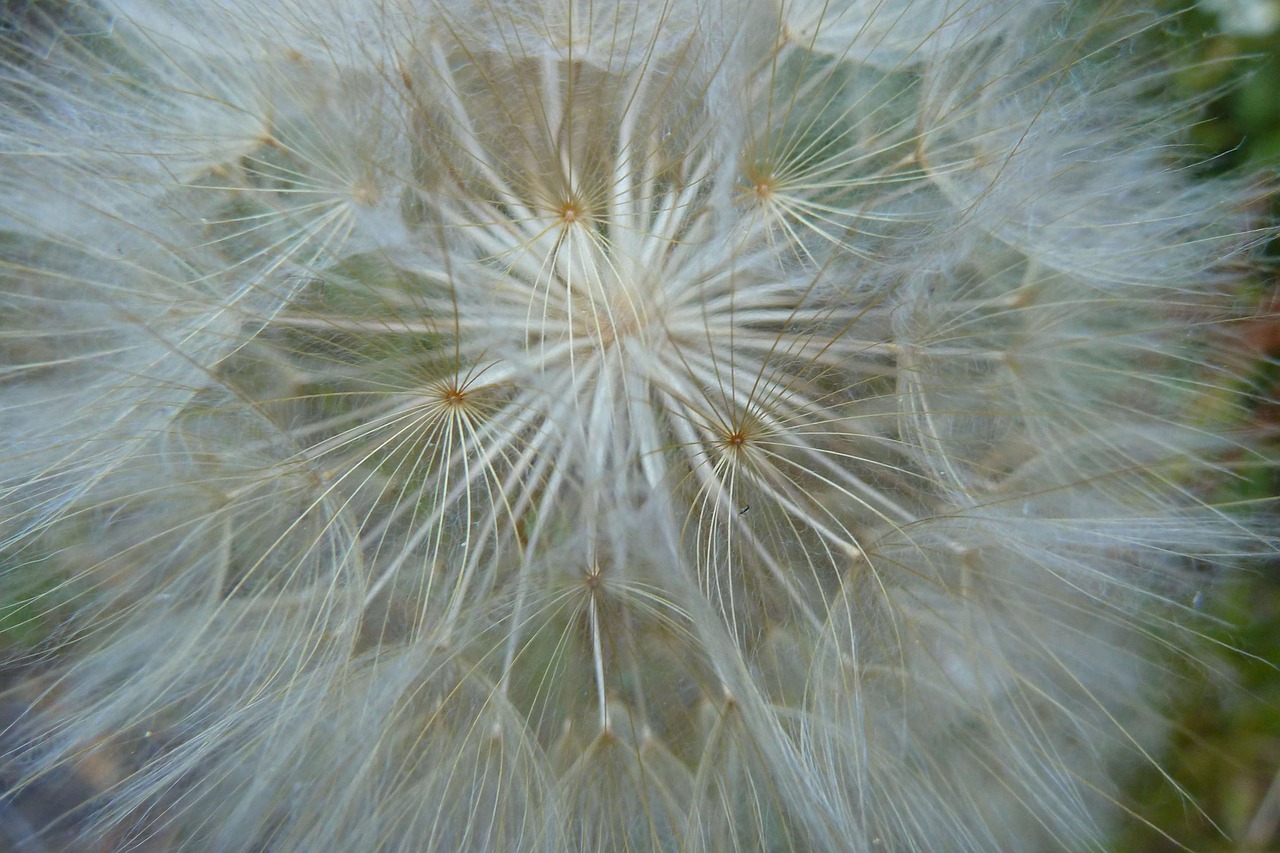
1226	747
1233	48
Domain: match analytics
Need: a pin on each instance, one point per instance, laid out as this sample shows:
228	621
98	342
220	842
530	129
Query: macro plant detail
512	425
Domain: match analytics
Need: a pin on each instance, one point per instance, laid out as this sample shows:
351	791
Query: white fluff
588	425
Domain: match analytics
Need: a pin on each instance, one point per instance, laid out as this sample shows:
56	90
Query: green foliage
1226	747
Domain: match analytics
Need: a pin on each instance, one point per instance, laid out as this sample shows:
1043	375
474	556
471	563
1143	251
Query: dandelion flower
586	425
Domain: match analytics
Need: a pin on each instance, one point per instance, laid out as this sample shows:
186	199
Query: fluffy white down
579	425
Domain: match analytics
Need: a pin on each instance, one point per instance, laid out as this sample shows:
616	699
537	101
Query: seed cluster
513	425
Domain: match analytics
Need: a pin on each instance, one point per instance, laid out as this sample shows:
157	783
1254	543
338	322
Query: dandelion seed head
593	425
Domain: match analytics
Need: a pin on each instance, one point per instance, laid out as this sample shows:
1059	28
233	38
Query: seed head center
454	397
571	208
